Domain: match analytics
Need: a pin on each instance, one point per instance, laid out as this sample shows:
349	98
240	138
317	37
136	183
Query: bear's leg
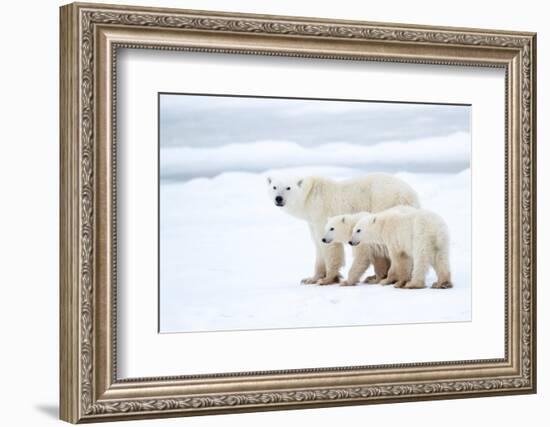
442	270
403	270
361	261
392	271
421	263
390	278
381	269
334	259
369	254
320	269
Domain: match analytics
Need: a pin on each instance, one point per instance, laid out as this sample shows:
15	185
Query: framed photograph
267	212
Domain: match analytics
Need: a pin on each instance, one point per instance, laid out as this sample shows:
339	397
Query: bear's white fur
315	199
418	235
338	229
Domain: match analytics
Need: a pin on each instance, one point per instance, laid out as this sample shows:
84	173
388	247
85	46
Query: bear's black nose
279	199
350	242
324	240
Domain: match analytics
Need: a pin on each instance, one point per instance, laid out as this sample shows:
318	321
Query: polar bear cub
420	235
338	229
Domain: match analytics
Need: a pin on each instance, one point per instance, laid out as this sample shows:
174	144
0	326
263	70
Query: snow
231	260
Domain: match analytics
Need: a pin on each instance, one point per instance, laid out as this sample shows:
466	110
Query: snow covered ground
230	259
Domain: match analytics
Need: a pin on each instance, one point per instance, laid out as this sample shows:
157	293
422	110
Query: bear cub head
338	229
364	230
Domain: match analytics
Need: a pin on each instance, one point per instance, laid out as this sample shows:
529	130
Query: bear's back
385	191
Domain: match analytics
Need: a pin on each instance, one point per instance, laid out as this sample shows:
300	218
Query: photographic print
295	213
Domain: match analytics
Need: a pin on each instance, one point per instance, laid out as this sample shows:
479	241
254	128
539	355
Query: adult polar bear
315	199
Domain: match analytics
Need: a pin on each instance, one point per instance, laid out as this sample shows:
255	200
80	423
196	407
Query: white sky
194	127
190	120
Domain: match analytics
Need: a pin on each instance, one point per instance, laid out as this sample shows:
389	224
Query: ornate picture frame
90	37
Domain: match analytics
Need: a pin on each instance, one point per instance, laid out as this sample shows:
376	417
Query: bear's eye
288	188
359	230
274	187
331	228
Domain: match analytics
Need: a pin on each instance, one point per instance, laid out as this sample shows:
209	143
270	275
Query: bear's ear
268	180
300	182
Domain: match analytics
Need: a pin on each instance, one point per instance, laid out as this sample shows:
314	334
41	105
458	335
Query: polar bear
420	235
338	229
315	199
